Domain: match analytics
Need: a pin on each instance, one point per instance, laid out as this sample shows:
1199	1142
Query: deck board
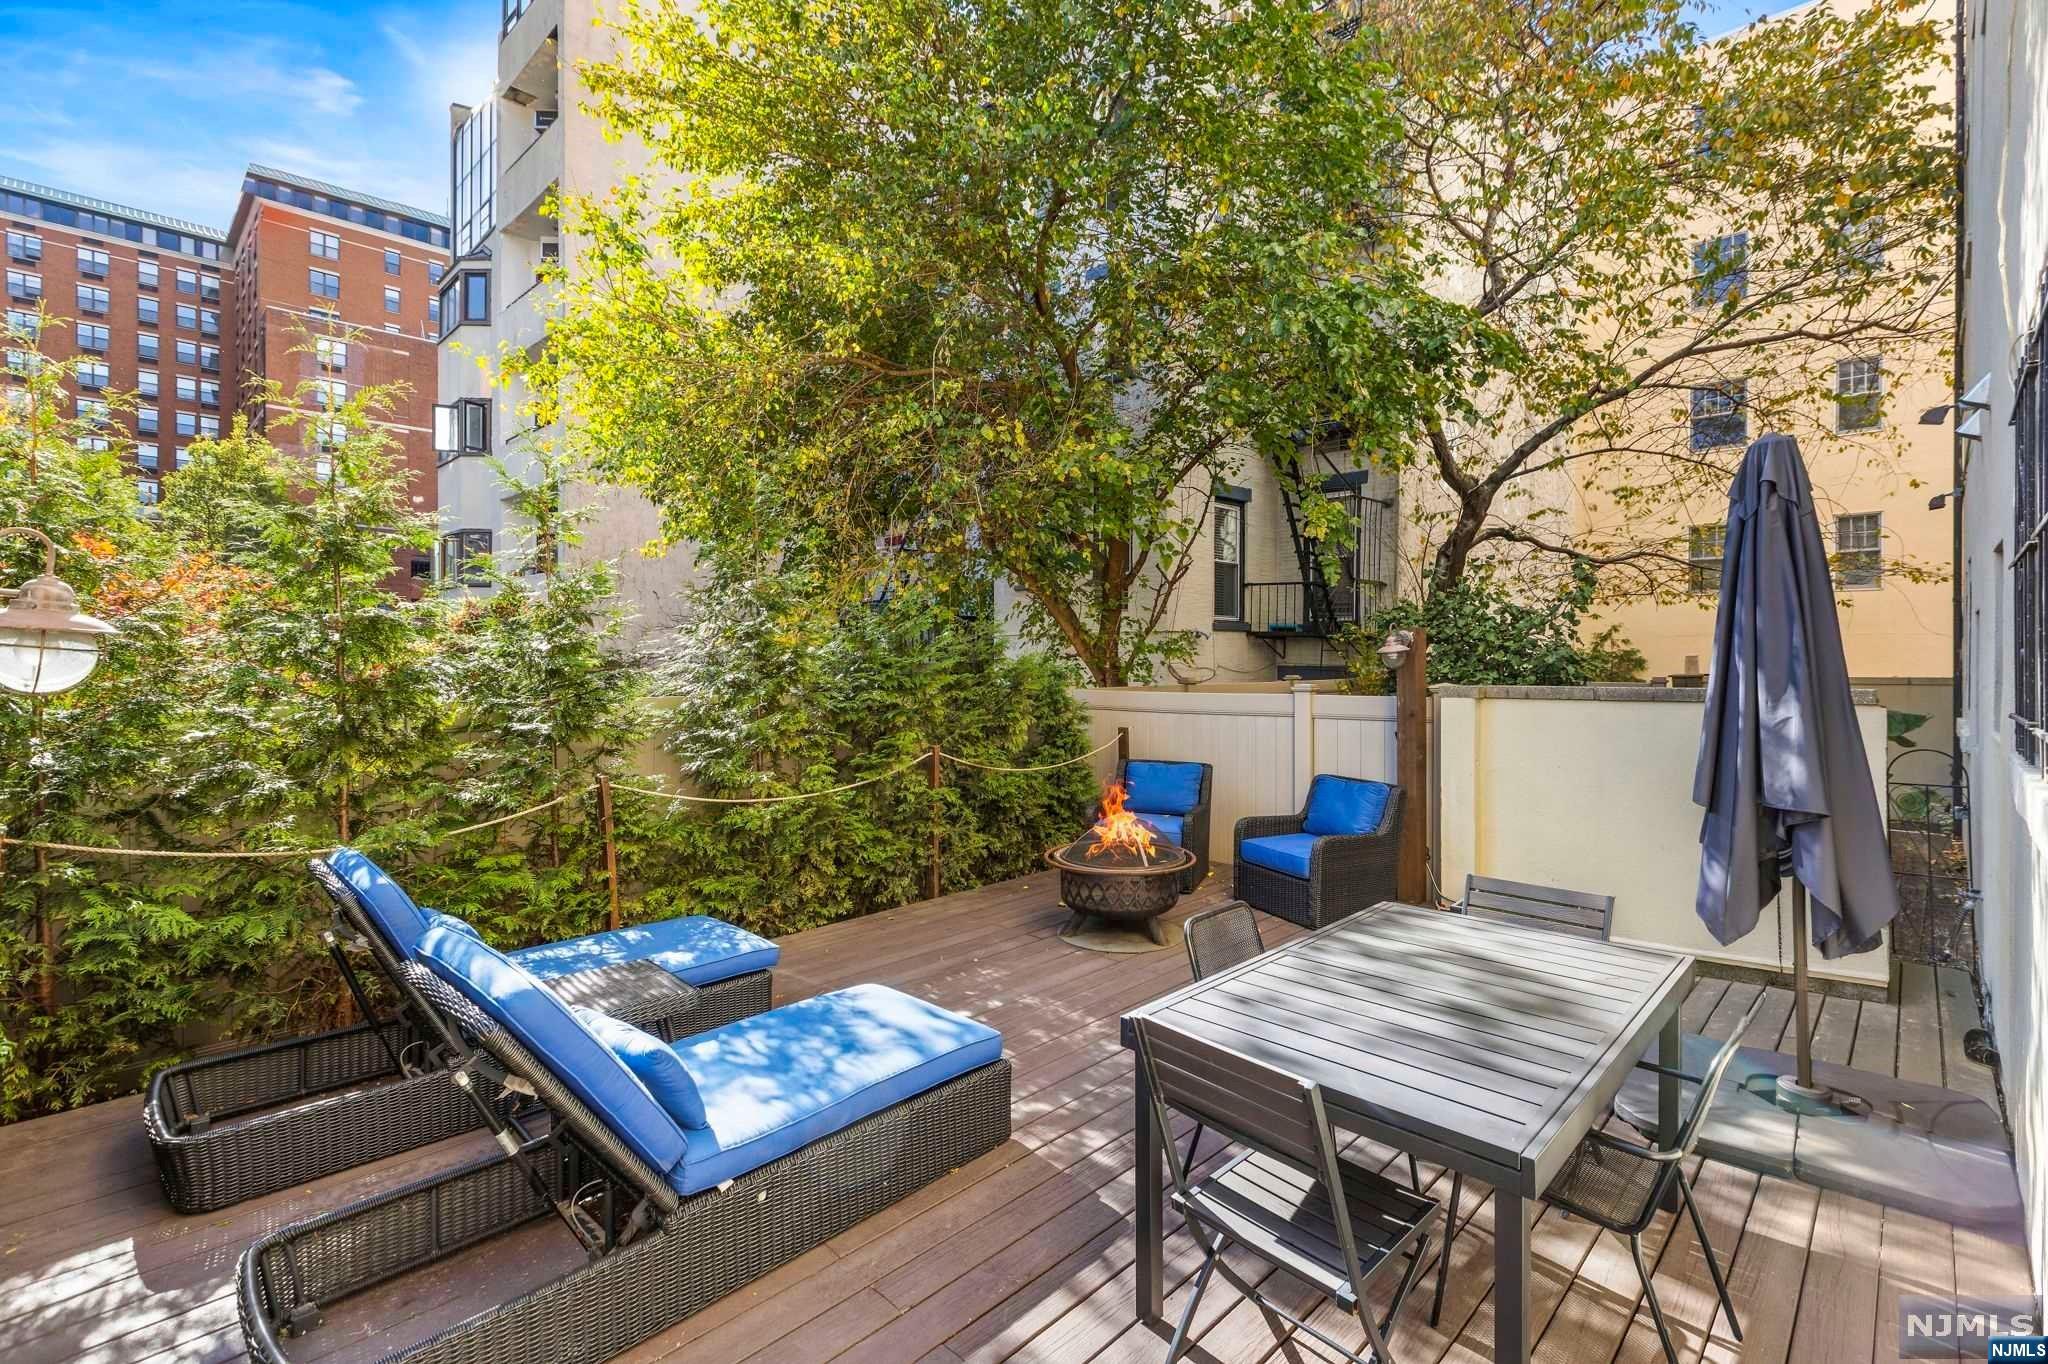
1027	1253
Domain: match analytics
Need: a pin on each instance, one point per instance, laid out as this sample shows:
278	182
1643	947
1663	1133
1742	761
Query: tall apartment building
340	288
510	154
142	297
311	282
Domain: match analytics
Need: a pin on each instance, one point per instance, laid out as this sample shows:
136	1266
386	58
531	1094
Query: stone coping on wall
1604	691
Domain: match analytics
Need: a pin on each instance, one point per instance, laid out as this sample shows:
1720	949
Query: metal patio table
1483	1047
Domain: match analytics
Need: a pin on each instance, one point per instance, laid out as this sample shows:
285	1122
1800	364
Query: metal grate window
2029	581
1703	551
1859	550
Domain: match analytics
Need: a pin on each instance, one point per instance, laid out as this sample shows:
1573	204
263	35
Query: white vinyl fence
1265	743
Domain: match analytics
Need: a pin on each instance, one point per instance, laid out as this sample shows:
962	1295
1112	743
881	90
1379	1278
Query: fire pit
1119	871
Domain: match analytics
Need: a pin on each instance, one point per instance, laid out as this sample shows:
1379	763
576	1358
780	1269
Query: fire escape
1316	604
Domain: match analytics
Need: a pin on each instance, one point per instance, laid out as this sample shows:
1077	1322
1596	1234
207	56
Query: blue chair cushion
1345	805
695	949
1167	827
778	1081
541	1023
436	919
651	1059
1280	852
1162	788
391	911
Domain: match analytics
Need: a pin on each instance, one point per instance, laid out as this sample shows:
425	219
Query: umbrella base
1817	1101
1916	1147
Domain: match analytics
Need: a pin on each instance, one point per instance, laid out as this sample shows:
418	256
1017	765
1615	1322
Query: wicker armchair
1347	872
1194	834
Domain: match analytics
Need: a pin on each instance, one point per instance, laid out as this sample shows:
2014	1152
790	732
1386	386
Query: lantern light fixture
47	644
1394	649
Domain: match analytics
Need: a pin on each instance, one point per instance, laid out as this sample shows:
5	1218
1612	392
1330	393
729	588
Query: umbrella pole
1799	990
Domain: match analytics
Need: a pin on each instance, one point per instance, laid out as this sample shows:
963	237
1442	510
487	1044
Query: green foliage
777	694
1899	726
988	285
1481	634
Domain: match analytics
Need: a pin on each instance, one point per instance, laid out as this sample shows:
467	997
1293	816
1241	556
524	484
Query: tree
1661	226
980	285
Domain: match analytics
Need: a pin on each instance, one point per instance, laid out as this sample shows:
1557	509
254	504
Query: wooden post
611	845
931	874
1411	728
1123	743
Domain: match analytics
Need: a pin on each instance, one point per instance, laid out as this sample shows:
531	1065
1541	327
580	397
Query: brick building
310	282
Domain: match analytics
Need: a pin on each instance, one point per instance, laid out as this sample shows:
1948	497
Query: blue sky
160	103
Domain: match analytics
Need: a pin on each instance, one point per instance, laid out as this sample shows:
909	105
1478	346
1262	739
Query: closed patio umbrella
1782	770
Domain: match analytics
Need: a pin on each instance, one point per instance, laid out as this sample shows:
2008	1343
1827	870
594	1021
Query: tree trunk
1455	552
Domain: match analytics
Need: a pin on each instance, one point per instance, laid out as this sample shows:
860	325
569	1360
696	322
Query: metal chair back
1222	937
1263	1109
1710	1082
1576	912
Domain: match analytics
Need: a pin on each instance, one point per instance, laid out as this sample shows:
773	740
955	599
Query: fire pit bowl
1127	889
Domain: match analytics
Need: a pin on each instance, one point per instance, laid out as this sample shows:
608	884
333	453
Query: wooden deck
1026	1254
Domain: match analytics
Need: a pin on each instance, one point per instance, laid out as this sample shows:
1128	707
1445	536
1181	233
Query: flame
1119	830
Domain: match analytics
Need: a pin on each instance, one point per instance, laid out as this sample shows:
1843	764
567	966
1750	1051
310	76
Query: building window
331	392
93	262
98	444
323	283
1720	269
1859	394
2029	569
462	427
145	310
187	423
188	281
188	352
93	410
461	553
23	362
92	375
473	164
1859	550
94	337
326	245
24	285
23	324
145	274
329	436
330	352
209	322
188	317
145	345
209	288
188	388
148	491
209	359
1229	555
145	454
1703	551
435	269
25	247
145	383
145	421
391	300
433	317
93	299
209	427
1719	416
209	393
391	262
180	457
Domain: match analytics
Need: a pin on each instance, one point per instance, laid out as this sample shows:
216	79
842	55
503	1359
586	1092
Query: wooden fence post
611	845
1411	733
1123	743
931	873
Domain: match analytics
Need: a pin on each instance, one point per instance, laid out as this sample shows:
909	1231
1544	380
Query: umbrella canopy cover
1782	770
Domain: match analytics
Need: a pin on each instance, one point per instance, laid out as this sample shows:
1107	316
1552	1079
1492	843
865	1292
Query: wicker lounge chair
784	1130
233	1127
1330	861
1171	799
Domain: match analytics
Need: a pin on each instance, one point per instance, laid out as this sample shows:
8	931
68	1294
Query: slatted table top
1486	1045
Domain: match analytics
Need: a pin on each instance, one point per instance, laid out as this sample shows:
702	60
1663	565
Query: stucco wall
1573	786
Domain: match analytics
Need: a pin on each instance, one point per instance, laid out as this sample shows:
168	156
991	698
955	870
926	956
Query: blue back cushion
651	1059
1345	805
1162	788
543	1025
436	919
392	912
695	949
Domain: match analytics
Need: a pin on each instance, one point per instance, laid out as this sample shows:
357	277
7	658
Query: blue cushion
1281	852
436	919
392	912
778	1081
543	1025
1345	805
1167	827
649	1058
696	949
1162	788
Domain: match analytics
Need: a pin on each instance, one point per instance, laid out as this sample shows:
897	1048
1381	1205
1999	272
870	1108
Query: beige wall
1547	785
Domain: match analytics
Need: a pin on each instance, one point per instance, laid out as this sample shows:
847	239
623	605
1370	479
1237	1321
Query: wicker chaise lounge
233	1127
686	1171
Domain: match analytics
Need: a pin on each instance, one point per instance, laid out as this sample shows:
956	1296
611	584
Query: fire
1119	830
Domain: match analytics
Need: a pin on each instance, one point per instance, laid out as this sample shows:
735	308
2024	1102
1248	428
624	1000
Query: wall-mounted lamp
1970	408
1394	650
46	644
